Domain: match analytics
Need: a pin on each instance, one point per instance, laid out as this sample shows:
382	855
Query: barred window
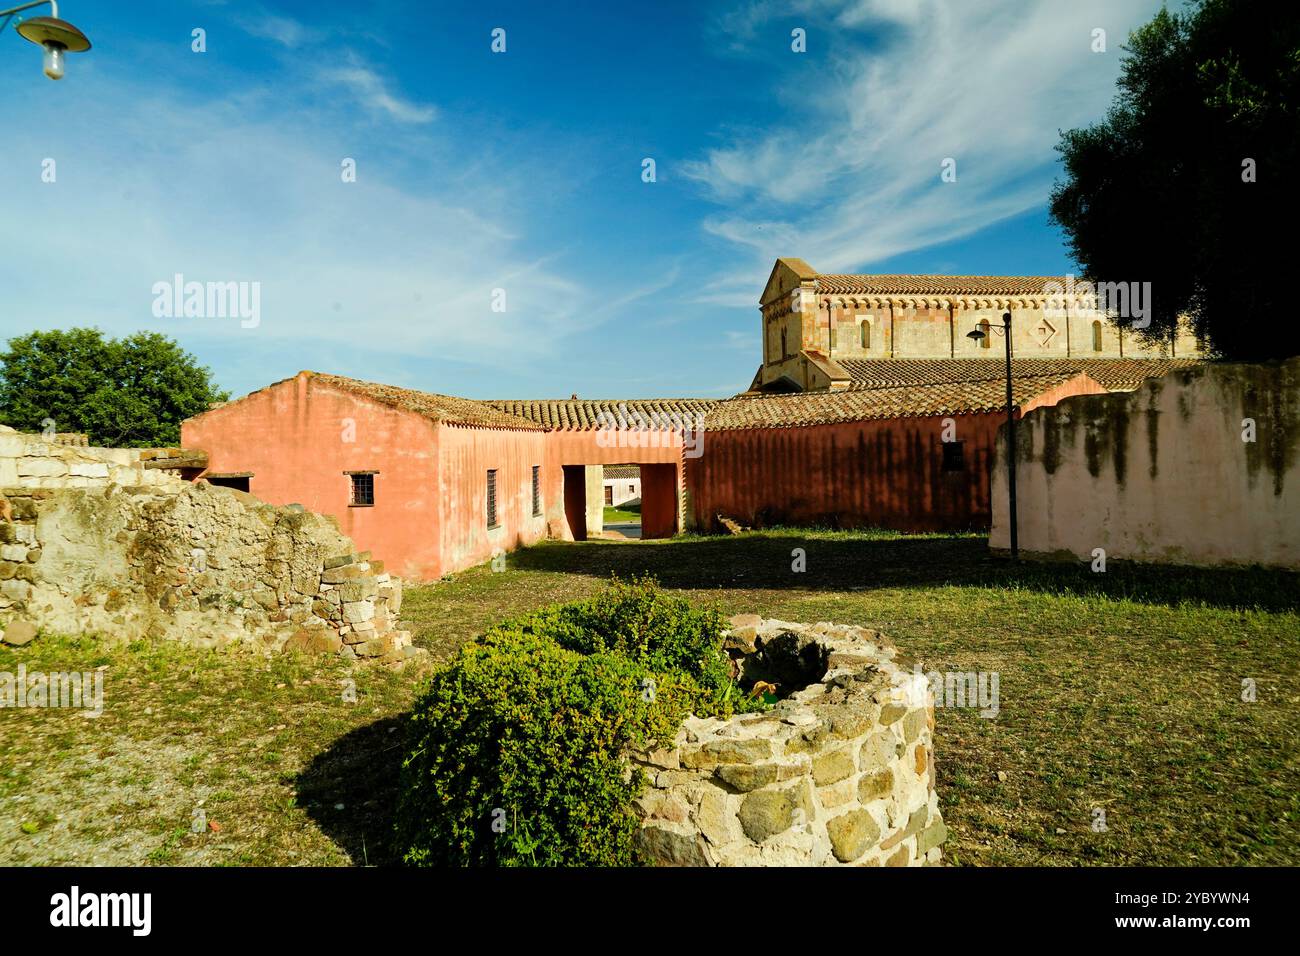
537	490
492	498
362	494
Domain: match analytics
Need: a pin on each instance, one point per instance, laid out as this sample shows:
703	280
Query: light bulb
53	60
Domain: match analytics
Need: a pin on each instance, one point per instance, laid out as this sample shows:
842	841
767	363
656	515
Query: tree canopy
133	391
1190	181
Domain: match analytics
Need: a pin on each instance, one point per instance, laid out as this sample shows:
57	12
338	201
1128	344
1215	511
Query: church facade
817	327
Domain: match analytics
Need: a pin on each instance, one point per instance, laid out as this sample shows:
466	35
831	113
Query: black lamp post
1005	331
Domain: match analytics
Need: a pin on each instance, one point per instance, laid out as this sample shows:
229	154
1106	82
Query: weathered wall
30	461
839	773
464	457
885	474
299	437
1162	473
91	541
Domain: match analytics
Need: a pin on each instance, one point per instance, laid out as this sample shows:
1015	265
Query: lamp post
55	36
1005	331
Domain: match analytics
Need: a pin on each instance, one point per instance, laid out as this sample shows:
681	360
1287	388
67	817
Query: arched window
866	334
1096	336
987	341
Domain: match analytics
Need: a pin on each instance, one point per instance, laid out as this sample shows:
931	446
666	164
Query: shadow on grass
358	772
847	562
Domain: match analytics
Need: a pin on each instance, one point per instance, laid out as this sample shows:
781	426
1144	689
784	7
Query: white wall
1162	474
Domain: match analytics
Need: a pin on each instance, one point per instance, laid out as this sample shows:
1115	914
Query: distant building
871	408
828	332
622	485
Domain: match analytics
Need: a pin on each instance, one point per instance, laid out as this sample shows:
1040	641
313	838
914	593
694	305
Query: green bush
519	743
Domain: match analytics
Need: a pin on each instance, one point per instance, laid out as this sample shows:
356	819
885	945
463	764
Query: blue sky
522	171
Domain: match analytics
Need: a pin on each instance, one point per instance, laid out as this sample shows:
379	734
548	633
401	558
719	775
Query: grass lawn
622	515
1118	691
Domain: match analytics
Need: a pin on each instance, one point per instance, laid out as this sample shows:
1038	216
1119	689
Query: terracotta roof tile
935	285
580	414
906	401
1113	374
622	471
447	409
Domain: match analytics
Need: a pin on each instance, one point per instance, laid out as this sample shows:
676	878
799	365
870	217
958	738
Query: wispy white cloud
224	189
257	21
852	174
370	90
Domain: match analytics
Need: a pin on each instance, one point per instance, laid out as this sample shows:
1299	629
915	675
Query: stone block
747	777
729	751
41	468
314	641
873	786
832	767
19	633
913	724
358	611
357	589
664	847
852	834
931	837
765	813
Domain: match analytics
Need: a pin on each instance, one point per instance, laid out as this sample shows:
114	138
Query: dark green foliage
1155	193
122	392
527	727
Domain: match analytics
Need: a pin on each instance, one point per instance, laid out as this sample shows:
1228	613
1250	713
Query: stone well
839	772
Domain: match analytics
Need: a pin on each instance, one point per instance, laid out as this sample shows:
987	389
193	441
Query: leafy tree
122	392
1159	191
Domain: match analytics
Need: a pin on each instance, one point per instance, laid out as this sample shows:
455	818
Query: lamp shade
44	30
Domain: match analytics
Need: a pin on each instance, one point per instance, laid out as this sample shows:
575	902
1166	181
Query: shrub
518	755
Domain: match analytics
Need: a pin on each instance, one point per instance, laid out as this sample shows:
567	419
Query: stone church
829	332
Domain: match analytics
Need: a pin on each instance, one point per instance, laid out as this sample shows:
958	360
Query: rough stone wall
841	772
30	461
1201	466
167	559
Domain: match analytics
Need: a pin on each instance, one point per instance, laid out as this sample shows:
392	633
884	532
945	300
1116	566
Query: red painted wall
430	512
886	474
856	474
293	437
464	457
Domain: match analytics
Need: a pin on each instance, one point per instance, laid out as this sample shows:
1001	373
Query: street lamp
1005	331
55	36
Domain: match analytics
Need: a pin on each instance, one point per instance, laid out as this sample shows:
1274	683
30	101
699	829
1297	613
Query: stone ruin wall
92	541
839	773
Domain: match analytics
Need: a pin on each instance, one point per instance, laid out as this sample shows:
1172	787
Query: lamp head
56	37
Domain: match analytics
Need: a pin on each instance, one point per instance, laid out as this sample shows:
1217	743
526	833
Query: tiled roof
1114	374
580	414
907	401
447	409
622	471
936	285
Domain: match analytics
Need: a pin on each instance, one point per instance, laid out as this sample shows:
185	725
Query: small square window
363	489
492	498
954	456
